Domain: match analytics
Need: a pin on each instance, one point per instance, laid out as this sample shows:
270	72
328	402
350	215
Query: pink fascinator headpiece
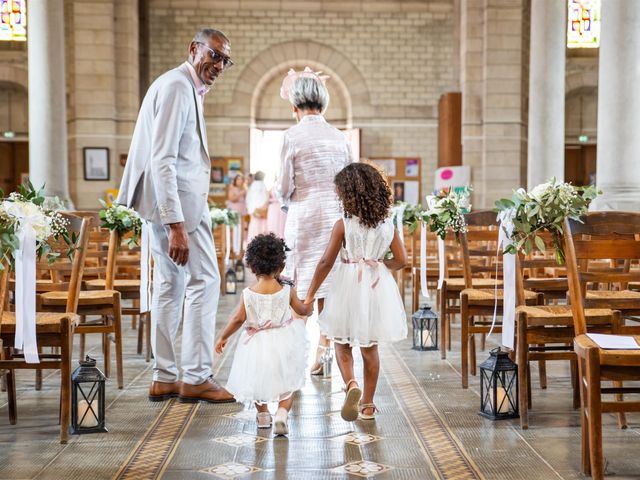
292	76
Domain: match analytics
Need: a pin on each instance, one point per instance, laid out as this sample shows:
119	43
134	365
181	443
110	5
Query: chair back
66	274
479	245
540	272
599	251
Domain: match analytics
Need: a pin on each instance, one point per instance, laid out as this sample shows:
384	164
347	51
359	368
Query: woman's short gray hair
309	94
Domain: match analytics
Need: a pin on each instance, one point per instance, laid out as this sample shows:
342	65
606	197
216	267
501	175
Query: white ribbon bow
25	258
505	218
227	236
237	239
398	219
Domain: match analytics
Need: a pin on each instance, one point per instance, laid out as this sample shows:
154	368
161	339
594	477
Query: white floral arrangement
122	219
445	211
26	208
544	208
223	216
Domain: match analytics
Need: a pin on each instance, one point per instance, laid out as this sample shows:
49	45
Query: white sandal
281	424
349	411
264	419
319	353
364	416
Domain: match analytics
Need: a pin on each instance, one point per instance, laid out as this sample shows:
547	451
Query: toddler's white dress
363	304
269	361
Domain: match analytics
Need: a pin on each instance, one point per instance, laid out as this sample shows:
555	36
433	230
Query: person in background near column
313	152
236	198
276	217
166	180
257	204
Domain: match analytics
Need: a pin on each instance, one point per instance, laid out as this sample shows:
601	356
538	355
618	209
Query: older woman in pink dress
313	152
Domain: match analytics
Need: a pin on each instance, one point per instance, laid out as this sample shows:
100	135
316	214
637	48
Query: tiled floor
427	428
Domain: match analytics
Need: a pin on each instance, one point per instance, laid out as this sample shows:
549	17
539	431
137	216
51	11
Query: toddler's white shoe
263	419
281	422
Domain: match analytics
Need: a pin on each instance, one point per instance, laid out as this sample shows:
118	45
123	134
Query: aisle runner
443	449
157	446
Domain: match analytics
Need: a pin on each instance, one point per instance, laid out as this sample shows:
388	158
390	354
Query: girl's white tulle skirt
357	314
270	366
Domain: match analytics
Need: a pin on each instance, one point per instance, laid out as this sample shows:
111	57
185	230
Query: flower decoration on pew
544	208
446	209
223	216
122	219
25	210
411	215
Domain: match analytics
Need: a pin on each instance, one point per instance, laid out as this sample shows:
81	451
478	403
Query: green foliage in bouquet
29	203
542	209
411	216
445	211
123	220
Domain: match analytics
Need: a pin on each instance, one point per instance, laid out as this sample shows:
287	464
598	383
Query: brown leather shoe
161	391
208	391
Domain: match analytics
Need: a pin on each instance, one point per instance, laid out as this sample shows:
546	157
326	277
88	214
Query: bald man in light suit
166	179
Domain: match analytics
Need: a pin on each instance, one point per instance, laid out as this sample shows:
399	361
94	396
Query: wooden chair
479	247
545	332
603	235
52	330
454	282
105	303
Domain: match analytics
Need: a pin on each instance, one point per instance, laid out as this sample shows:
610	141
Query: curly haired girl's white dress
269	361
363	305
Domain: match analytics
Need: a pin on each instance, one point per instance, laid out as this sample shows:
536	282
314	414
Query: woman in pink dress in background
276	217
236	198
313	152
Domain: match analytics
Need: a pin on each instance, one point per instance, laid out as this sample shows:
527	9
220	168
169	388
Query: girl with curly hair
269	361
363	305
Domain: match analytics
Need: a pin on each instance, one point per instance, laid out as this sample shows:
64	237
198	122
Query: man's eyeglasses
218	57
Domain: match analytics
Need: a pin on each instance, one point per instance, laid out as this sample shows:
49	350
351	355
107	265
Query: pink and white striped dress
313	153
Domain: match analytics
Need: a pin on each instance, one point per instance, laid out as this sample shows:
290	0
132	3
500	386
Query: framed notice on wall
223	170
404	175
96	163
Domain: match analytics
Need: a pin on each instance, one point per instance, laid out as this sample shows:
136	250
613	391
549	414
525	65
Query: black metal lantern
239	271
87	398
231	282
499	386
425	329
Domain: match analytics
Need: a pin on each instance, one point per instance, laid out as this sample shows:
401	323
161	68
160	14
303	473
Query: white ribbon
227	236
423	259
145	268
398	218
505	218
440	262
237	239
25	258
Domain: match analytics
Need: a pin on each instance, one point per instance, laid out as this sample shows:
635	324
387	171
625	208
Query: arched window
13	20
583	24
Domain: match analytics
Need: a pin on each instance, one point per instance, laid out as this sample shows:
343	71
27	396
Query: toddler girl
269	361
363	305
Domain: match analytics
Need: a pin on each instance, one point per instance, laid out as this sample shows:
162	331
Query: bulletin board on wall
223	169
404	175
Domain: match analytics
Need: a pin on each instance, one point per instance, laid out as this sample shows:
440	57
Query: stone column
47	98
618	170
545	157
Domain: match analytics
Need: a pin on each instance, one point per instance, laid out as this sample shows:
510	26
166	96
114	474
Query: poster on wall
455	177
388	165
411	192
411	168
234	164
398	191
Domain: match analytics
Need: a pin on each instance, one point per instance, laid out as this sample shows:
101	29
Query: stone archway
276	59
14	74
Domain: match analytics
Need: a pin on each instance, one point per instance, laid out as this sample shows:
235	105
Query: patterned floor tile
242	415
230	470
363	468
356	438
240	440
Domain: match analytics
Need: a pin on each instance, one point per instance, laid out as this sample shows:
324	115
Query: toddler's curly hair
364	193
266	254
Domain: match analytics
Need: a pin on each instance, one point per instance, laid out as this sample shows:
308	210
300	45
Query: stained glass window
583	24
13	20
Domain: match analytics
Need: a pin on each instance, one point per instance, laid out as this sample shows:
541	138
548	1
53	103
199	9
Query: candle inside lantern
502	403
427	341
87	416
